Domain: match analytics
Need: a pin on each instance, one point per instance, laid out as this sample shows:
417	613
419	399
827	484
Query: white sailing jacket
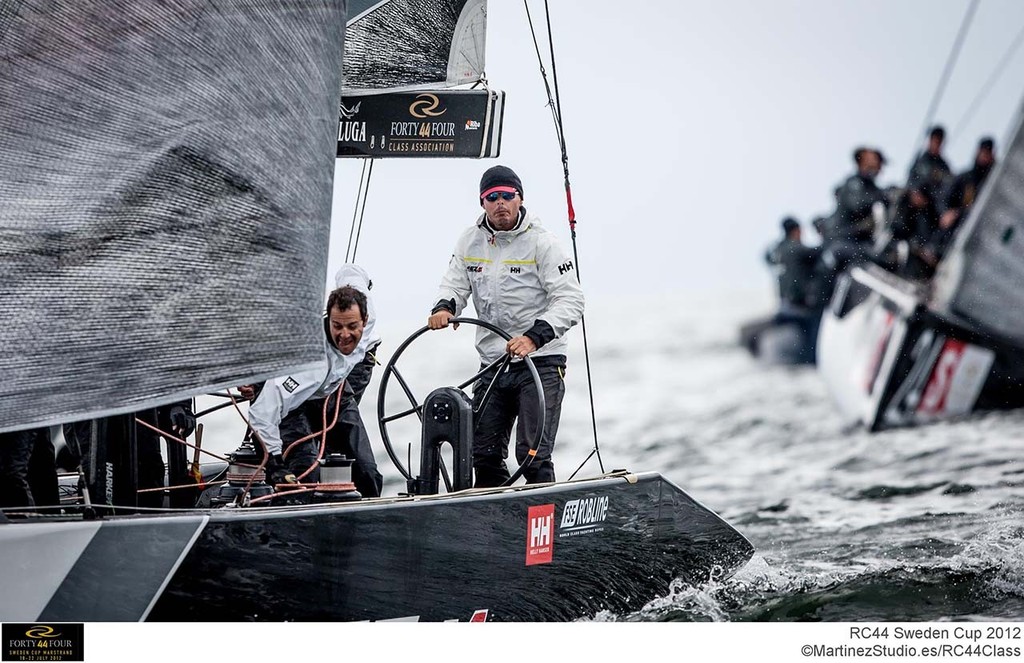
282	395
516	277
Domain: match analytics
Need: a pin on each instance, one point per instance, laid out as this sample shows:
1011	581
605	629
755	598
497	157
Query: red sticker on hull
933	401
540	534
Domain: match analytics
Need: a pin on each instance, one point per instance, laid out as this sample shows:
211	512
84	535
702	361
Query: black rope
954	53
555	116
987	87
360	209
558	112
554	103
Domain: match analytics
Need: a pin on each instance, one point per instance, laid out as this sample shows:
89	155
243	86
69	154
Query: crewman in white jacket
522	281
280	410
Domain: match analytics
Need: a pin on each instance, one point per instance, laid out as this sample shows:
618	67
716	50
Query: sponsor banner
540	532
583	516
43	642
956	380
438	123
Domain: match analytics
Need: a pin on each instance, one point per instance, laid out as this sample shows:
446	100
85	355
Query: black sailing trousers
512	397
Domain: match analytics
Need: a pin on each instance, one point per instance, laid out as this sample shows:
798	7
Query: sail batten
167	174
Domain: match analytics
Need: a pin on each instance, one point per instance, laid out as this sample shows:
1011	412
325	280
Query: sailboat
894	352
188	151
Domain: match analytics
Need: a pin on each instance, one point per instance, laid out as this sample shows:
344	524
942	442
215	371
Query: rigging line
558	110
544	78
987	87
951	59
572	227
556	115
362	211
357	213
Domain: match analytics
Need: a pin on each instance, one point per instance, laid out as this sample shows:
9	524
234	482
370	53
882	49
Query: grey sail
167	176
407	44
981	280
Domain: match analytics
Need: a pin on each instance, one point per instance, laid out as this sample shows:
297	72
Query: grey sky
692	128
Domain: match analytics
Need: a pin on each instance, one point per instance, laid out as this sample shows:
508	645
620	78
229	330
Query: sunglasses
504	195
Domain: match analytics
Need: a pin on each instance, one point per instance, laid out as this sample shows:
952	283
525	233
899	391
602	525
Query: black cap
789	223
500	176
987	143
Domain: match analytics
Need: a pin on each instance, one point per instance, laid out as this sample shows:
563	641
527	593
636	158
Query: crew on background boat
28	476
799	279
905	230
912	227
850	230
853	223
795	264
962	193
283	411
930	171
521	280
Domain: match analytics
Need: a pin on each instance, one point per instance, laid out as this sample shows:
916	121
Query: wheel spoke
416	407
490	387
506	358
405	413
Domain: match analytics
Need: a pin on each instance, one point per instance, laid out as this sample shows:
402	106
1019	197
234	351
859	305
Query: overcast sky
692	129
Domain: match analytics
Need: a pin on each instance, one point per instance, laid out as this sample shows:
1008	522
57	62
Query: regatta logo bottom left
43	642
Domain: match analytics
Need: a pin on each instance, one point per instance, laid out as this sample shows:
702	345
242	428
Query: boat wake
983	581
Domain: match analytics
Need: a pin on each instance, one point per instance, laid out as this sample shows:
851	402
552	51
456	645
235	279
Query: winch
243	472
335	480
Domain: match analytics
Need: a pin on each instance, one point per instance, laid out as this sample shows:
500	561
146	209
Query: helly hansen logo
515	270
540	530
290	385
565	267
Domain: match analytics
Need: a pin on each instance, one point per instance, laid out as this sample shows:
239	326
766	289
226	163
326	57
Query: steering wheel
501	363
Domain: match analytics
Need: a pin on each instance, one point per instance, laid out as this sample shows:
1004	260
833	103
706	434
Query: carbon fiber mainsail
167	177
396	45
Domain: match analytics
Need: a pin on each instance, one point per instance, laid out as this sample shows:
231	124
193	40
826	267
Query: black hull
433	559
779	341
